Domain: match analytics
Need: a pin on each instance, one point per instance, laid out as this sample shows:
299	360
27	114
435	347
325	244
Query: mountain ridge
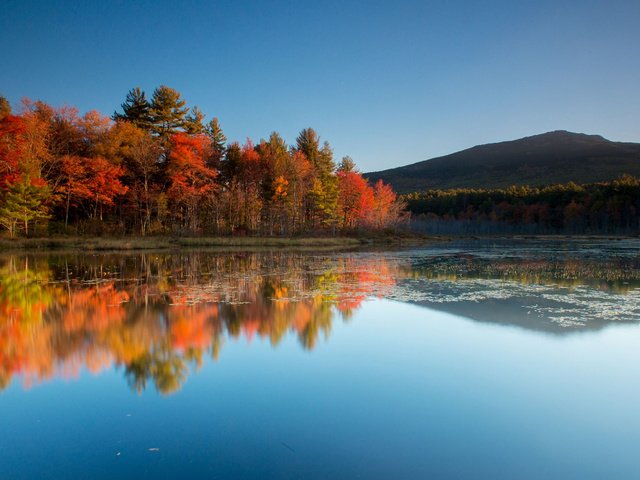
558	156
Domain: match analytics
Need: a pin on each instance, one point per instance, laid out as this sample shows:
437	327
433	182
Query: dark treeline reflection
157	315
615	275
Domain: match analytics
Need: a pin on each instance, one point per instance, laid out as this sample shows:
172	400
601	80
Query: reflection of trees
157	315
165	366
616	275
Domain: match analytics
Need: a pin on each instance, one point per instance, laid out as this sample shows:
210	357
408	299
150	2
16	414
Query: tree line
599	208
156	167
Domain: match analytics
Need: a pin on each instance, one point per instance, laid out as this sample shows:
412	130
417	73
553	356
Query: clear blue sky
388	83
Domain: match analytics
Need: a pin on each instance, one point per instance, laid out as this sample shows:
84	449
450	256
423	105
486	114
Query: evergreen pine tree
168	111
308	142
193	122
5	107
324	193
218	140
136	109
324	163
326	168
347	165
233	159
22	204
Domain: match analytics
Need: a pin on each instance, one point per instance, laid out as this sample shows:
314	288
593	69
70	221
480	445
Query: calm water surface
458	360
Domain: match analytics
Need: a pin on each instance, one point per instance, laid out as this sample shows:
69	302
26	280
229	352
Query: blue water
394	390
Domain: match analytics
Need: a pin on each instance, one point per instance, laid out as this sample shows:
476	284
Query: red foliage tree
355	197
11	149
387	209
191	180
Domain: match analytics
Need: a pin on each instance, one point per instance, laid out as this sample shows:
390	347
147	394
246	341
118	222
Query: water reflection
158	316
553	287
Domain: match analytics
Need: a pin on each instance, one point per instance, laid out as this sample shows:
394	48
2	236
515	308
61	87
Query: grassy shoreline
174	243
92	244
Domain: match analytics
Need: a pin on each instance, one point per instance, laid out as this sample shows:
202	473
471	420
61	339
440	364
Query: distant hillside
554	157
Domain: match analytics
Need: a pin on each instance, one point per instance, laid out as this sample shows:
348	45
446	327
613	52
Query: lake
477	359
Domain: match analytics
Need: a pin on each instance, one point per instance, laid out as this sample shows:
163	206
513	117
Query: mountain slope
554	157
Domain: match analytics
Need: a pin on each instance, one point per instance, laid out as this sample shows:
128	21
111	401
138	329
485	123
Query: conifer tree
167	111
218	140
232	162
22	204
193	122
5	107
326	168
347	165
325	164
308	142
136	109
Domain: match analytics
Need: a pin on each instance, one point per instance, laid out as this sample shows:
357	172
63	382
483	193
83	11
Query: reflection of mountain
157	315
536	290
513	312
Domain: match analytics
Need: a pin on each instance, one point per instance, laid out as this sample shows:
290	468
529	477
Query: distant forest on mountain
598	208
557	182
156	167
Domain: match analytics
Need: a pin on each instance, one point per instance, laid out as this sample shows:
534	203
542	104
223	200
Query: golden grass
161	243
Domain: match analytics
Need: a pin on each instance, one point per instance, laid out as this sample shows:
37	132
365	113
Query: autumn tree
191	180
91	184
72	188
104	181
387	208
140	155
46	136
22	192
250	175
356	199
93	130
12	149
299	174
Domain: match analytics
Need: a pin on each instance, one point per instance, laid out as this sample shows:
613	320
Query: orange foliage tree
191	179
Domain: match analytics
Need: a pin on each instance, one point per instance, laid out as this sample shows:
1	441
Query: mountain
553	157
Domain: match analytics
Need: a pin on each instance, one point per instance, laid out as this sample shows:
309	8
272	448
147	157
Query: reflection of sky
399	391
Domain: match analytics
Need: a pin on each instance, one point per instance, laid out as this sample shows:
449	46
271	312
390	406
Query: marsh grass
160	243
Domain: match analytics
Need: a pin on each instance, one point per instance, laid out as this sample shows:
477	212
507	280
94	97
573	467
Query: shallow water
457	360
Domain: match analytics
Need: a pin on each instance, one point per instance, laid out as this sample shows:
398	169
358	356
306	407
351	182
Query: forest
156	167
597	208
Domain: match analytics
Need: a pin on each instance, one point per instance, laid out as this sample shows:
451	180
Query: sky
388	83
